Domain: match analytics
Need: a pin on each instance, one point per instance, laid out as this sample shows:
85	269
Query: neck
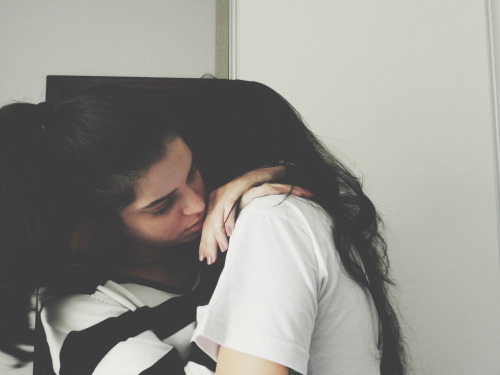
175	267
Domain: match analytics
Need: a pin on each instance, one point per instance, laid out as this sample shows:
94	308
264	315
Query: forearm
266	174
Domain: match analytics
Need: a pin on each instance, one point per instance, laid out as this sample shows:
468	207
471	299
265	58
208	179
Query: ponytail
75	162
34	220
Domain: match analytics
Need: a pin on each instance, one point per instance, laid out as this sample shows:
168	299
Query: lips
196	226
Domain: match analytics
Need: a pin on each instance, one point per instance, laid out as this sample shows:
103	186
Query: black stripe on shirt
83	350
200	357
170	364
173	315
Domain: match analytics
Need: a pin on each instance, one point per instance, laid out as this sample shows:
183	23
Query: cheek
151	229
161	227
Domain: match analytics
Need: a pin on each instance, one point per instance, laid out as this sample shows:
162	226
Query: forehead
164	176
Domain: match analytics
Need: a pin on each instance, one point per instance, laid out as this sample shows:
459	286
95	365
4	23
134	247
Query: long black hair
249	125
60	165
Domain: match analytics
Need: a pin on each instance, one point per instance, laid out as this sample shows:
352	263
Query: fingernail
278	188
302	191
201	258
209	260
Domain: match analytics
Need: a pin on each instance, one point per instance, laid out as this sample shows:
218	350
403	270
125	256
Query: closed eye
164	207
167	201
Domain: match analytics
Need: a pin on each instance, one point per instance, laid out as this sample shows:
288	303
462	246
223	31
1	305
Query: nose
194	202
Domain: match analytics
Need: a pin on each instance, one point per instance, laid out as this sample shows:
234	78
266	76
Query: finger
293	190
230	216
220	235
273	189
209	249
230	221
221	238
214	230
259	191
202	252
207	241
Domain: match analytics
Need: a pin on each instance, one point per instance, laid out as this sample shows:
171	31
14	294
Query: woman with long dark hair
306	282
82	164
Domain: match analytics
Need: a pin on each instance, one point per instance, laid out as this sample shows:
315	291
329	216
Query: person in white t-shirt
305	284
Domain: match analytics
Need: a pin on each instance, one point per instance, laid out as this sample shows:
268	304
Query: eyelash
167	205
164	208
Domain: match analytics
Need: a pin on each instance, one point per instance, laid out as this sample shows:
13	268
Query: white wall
402	90
495	20
149	38
155	38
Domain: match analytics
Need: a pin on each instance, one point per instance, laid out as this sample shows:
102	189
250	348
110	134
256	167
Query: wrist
265	174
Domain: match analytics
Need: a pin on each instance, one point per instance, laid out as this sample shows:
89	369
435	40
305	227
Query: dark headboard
61	87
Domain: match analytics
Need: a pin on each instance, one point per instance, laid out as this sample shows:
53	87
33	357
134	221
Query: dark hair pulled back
60	164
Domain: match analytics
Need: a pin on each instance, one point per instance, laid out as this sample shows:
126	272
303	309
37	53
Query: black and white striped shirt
132	327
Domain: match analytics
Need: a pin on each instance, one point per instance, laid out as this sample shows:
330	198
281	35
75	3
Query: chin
162	246
183	240
191	237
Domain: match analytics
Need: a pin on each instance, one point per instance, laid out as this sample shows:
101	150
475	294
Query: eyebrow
164	198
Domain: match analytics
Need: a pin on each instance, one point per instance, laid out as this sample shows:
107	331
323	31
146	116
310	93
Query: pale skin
232	362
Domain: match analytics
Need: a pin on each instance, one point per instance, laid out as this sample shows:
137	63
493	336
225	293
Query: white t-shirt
284	296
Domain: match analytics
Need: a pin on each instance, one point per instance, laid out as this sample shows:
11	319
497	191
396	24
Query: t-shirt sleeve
265	303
